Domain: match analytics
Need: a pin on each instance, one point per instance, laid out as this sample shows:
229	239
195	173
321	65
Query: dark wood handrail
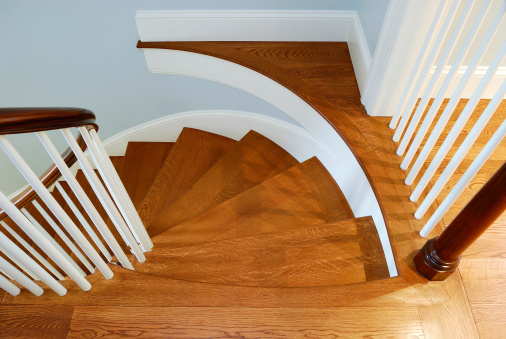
36	119
441	255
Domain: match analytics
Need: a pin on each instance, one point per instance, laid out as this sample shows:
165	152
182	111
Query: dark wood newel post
440	256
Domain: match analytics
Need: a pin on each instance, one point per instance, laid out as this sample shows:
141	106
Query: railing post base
431	266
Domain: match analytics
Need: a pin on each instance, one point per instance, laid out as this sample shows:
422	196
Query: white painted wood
9	287
363	202
20	265
359	53
163	25
409	90
55	208
461	152
19	277
120	189
465	179
457	63
454	132
62	235
84	223
86	203
14	251
422	104
113	189
103	196
32	251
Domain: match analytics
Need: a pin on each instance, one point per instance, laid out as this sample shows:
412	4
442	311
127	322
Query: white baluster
465	179
20	265
14	251
86	203
113	188
22	279
104	197
55	208
130	208
416	72
422	105
462	151
454	132
426	70
9	287
32	251
457	63
62	235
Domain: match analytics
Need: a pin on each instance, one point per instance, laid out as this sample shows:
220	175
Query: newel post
441	255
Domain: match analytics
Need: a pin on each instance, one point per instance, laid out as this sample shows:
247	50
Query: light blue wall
82	53
371	14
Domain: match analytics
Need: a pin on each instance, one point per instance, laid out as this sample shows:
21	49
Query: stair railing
21	265
446	32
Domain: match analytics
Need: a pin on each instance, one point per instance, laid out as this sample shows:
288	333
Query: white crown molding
260	26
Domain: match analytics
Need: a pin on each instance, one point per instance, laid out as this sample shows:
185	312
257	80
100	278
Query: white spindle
465	179
85	202
62	235
9	287
457	63
20	265
462	151
129	206
55	208
426	70
104	197
15	251
84	222
454	132
422	105
32	251
422	57
113	188
18	276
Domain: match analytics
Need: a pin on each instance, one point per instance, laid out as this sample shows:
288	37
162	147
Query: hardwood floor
469	304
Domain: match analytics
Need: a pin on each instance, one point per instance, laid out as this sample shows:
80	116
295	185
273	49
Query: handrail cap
17	120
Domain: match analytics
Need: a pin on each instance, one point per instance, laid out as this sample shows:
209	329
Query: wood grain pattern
166	322
142	163
252	160
318	255
33	321
303	195
191	156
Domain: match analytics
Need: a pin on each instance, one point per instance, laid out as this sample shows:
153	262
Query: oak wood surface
191	156
249	162
140	167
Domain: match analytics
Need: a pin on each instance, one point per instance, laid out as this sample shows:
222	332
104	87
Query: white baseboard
260	26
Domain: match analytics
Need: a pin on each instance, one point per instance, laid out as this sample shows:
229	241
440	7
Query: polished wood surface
249	162
191	156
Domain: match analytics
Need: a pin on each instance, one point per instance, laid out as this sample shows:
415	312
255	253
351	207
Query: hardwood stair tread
140	166
304	194
194	152
318	255
252	160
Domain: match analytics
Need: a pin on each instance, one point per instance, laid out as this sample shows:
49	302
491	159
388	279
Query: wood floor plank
140	167
319	255
251	161
194	152
35	321
195	322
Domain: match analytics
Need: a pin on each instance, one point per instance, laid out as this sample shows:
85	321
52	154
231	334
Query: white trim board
260	26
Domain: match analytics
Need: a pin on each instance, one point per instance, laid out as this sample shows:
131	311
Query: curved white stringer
340	162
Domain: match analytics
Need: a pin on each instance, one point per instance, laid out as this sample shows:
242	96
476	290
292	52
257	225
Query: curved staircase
231	216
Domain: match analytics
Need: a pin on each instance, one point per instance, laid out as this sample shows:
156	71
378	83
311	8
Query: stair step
303	195
251	161
194	152
140	166
117	162
317	255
